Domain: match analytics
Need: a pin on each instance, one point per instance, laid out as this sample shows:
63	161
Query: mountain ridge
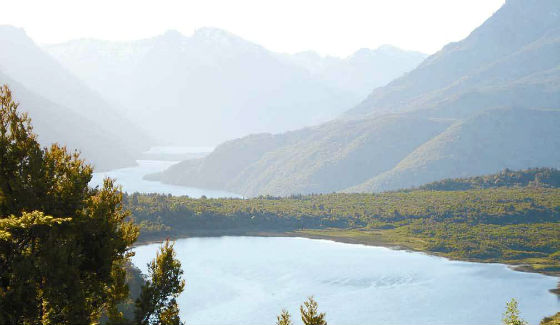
260	91
514	25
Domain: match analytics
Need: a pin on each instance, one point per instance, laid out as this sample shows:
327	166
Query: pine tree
511	315
309	313
284	318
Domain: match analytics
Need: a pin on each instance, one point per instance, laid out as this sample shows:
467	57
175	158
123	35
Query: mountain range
488	102
213	86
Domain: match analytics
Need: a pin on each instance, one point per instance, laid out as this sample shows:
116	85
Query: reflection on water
248	280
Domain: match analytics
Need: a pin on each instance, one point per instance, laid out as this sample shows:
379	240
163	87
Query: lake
131	178
248	280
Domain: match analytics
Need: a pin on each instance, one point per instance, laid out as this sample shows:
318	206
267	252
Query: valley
280	162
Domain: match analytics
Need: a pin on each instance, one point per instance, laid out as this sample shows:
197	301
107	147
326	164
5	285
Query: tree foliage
284	318
157	303
63	245
511	315
310	314
551	320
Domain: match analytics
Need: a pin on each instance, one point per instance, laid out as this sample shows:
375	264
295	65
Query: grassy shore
396	239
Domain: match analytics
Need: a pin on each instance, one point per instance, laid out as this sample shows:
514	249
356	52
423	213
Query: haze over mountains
488	102
362	71
113	100
63	108
214	86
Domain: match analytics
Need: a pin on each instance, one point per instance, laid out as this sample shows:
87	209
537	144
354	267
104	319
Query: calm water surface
248	280
131	178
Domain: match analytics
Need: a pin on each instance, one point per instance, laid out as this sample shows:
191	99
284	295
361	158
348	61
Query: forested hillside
538	177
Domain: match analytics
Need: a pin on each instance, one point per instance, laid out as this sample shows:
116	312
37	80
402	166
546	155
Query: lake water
248	280
131	178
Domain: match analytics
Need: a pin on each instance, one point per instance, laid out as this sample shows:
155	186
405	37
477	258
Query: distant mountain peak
363	52
213	33
383	50
13	34
388	47
221	40
309	54
173	33
11	29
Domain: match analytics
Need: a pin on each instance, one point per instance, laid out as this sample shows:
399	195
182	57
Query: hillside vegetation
538	177
510	225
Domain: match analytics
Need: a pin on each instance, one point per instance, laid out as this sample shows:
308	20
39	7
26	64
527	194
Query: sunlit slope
323	159
512	138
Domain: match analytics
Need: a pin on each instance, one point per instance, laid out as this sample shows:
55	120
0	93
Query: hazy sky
328	27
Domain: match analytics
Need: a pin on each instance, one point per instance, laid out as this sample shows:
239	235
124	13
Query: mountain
327	158
493	140
488	102
518	40
361	72
213	86
63	109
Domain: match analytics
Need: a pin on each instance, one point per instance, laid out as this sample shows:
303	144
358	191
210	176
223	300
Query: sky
336	28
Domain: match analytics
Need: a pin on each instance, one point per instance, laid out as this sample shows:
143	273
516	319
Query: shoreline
347	240
353	241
